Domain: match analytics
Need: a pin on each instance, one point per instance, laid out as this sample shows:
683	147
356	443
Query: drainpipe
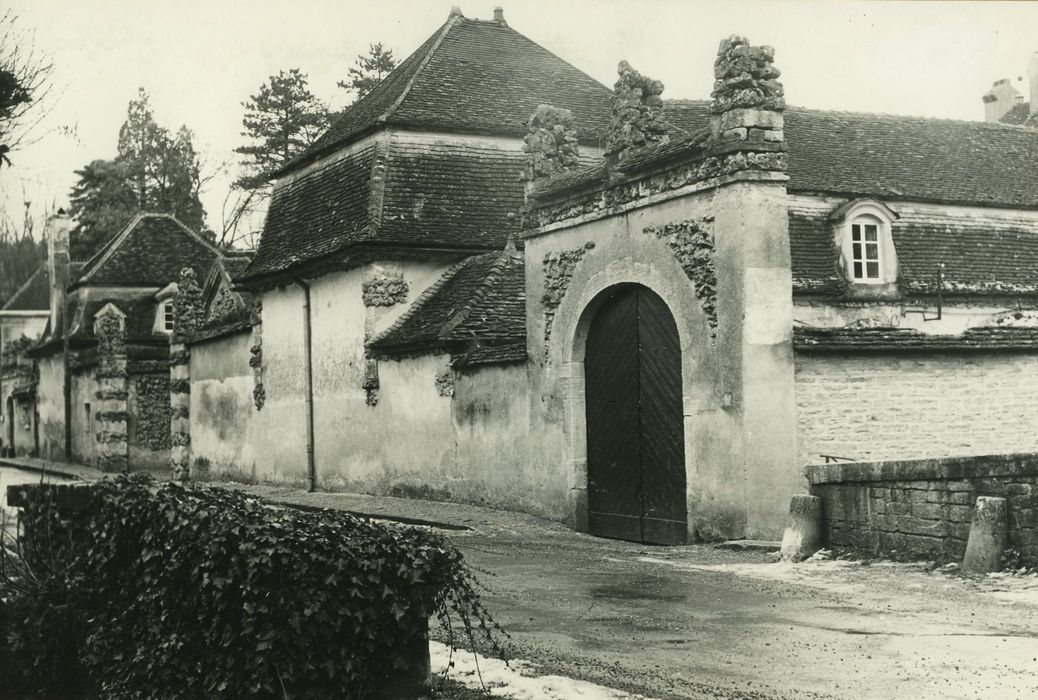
308	368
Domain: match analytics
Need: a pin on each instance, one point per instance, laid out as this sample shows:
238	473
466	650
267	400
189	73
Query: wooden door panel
611	375
636	465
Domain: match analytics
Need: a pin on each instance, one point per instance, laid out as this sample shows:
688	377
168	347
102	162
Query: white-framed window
167	316
862	228
865	249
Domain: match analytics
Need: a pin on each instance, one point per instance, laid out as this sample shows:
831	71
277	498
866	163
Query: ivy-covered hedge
134	590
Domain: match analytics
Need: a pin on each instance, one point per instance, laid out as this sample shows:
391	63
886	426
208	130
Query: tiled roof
317	214
1020	115
981	255
900	157
140	313
33	295
444	195
478	303
472	76
149	251
895	339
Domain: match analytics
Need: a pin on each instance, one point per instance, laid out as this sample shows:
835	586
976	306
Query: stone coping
943	468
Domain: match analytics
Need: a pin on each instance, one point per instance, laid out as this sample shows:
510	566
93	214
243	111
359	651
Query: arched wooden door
635	431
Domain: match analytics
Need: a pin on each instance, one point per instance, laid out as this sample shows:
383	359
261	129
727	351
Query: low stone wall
923	507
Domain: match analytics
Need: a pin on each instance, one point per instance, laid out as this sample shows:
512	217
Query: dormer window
865	258
164	309
862	229
167	316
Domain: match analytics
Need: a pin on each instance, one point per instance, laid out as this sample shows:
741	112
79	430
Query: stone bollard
803	535
987	536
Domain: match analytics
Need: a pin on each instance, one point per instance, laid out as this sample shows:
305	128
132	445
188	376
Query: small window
167	316
865	251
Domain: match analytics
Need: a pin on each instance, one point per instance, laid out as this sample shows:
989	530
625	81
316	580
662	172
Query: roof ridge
420	300
479	294
451	22
105	251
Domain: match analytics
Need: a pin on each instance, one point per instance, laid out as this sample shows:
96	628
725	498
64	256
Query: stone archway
636	485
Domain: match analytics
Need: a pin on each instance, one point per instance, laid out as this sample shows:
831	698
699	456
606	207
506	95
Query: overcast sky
199	59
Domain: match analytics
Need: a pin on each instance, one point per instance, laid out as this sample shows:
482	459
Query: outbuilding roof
898	157
149	251
477	307
471	76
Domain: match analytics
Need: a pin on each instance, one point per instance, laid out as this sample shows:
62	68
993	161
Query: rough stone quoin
636	120
111	440
550	143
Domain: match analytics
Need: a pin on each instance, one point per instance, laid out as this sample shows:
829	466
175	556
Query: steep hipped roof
477	304
149	251
443	195
472	76
891	156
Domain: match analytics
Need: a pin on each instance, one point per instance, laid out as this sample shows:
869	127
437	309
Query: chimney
1001	98
1032	75
499	16
56	232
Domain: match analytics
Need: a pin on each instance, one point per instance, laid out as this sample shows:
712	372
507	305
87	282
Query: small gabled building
102	392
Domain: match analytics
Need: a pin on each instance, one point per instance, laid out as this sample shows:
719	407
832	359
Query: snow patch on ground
518	679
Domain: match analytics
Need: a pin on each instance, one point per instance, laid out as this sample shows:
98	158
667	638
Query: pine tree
368	71
102	202
281	120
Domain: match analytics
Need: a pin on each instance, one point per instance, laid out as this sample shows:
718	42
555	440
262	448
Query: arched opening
634	416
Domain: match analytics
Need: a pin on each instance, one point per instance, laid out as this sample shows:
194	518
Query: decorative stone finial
455	12
746	77
637	104
499	15
550	143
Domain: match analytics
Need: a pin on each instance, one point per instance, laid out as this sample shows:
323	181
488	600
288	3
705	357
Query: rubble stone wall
924	507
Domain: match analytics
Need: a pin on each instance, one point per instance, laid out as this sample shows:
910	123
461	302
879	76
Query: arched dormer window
862	231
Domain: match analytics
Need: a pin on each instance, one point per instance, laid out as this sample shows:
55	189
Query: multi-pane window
865	251
167	316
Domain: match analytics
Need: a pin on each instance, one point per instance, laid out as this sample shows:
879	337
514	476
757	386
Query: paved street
691	622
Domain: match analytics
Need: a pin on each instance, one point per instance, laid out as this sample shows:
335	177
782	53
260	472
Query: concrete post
803	535
987	536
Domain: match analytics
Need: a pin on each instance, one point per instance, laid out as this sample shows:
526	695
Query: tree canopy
24	83
368	71
155	171
280	121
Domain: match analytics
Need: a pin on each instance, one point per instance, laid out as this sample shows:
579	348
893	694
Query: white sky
199	59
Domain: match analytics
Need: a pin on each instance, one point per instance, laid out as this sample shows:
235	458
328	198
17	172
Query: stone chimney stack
1001	98
56	232
748	99
1032	76
499	16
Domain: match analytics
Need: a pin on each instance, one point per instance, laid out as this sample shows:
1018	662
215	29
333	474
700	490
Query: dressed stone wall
913	405
924	507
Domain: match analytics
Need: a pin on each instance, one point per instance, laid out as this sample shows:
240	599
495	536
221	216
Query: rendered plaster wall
913	405
925	507
14	327
84	424
16	429
223	414
51	407
346	430
740	460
